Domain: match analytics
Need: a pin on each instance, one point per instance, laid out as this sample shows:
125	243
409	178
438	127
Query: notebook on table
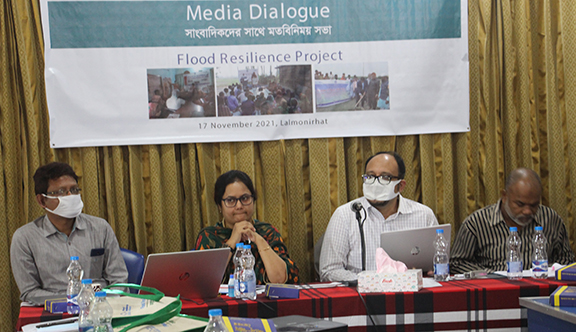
414	247
192	274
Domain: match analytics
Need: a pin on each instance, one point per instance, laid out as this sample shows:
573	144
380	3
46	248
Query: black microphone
357	207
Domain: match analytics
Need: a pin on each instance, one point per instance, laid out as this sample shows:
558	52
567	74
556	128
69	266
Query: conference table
478	304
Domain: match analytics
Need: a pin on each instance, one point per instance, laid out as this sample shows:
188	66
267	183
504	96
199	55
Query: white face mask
525	221
380	192
69	206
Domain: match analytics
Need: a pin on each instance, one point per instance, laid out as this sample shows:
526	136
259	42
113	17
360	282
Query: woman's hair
230	177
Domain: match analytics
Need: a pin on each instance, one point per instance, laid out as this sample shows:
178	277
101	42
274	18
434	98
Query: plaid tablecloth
459	305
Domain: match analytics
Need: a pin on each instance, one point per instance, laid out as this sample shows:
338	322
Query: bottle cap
538	228
232	276
73	258
86	281
214	312
100	294
247	246
439	231
513	229
239	245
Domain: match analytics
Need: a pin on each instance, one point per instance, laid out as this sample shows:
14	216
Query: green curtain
157	197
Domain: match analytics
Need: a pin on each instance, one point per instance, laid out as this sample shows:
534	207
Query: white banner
155	72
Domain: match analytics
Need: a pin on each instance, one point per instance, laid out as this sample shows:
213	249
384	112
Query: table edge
557	312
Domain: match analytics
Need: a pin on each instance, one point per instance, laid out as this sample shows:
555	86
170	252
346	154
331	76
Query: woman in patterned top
235	195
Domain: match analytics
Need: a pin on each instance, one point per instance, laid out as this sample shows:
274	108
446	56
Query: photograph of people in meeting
385	210
234	194
360	87
181	93
40	250
264	90
481	242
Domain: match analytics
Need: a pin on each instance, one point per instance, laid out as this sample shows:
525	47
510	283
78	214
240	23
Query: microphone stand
357	209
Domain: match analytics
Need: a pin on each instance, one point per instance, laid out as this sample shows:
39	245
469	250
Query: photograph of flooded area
264	90
181	93
352	87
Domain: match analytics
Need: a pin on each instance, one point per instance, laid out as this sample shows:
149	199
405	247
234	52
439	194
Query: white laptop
192	274
414	247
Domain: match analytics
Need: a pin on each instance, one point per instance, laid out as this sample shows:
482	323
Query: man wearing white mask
481	241
381	209
40	250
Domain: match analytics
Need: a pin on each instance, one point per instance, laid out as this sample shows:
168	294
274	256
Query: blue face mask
69	206
380	192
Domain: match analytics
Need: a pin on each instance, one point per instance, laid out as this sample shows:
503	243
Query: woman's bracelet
262	250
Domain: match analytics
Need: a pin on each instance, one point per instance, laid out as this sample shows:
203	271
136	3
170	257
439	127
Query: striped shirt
481	240
341	255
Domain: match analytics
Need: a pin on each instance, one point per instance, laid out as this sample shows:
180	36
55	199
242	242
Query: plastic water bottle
216	323
85	299
231	286
539	255
441	267
237	268
247	281
74	273
101	312
513	258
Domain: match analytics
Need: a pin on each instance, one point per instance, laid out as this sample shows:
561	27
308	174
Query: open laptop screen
192	274
414	247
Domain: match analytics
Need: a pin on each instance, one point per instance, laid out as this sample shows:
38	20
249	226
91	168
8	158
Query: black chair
317	251
135	266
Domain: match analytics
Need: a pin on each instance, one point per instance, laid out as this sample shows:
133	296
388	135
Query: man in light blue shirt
40	250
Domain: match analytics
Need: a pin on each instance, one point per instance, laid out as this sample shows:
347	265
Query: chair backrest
317	251
134	264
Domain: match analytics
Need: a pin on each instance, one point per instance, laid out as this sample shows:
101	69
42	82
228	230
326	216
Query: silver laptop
414	247
192	274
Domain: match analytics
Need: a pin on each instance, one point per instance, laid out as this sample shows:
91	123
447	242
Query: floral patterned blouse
214	236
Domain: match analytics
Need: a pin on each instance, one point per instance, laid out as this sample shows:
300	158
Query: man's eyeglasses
244	200
64	192
382	179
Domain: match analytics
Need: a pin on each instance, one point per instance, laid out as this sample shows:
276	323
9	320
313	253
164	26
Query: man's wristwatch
225	245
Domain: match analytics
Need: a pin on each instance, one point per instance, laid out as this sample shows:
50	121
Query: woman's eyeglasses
244	200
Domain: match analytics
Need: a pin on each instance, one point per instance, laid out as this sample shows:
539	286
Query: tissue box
373	282
568	272
56	306
564	296
281	291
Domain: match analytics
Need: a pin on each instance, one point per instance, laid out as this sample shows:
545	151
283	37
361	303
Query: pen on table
60	322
